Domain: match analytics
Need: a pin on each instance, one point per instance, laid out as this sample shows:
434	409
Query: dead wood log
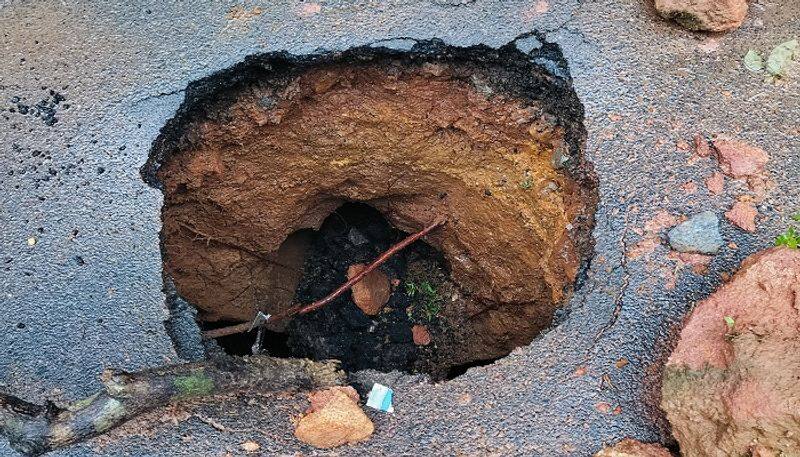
36	429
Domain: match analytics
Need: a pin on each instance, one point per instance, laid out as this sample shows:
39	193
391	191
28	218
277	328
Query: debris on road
738	159
701	147
353	279
753	61
603	407
334	419
698	262
633	448
127	395
380	398
743	215
730	386
704	15
777	63
250	446
372	292
716	183
699	234
651	234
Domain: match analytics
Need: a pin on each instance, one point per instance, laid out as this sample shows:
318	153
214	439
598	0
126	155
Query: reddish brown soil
414	142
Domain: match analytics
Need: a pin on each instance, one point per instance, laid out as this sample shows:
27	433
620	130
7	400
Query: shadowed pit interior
263	163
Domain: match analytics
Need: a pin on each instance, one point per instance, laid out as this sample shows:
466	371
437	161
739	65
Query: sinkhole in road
283	172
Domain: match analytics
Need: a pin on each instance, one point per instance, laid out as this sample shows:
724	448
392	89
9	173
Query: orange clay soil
415	142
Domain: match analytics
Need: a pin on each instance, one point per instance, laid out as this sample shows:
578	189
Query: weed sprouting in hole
729	321
791	237
527	181
426	297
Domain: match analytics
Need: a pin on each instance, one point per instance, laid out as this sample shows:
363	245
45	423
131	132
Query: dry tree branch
303	309
35	429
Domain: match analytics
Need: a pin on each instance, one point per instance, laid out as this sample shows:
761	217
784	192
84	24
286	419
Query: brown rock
339	420
372	292
704	15
740	160
743	215
716	183
422	336
732	379
633	448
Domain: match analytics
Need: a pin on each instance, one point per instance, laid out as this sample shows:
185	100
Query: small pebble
699	234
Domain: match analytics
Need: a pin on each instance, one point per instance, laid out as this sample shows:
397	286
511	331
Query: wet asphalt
81	269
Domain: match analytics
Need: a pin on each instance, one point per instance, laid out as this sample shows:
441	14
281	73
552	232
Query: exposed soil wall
486	138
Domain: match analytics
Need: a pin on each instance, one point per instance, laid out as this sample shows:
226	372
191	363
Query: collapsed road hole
283	171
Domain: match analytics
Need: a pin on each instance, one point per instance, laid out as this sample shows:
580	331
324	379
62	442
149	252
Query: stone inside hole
280	174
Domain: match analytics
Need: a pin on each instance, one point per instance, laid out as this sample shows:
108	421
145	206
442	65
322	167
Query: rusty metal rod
304	309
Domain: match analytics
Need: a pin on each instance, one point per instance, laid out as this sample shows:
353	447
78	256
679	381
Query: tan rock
743	215
320	398
338	421
738	159
372	292
731	381
421	335
633	448
250	446
704	15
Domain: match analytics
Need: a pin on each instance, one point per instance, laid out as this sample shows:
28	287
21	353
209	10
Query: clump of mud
259	157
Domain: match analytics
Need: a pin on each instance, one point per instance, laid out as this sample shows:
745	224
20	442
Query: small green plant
790	238
427	296
411	289
527	181
729	321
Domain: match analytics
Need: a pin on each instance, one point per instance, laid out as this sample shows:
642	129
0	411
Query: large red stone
739	159
731	384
